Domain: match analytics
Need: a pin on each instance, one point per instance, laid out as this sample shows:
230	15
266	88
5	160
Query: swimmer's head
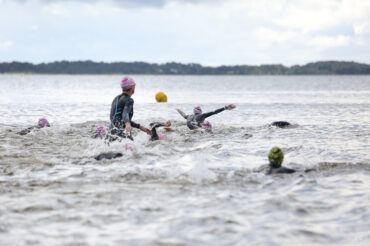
127	83
161	137
197	110
207	126
100	131
43	122
129	147
276	157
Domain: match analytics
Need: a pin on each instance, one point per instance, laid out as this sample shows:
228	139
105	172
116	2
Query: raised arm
228	107
182	114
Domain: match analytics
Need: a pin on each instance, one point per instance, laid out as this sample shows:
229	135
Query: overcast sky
210	32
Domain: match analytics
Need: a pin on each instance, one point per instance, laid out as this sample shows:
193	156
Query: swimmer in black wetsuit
122	111
155	136
153	127
41	124
196	119
109	155
281	124
276	157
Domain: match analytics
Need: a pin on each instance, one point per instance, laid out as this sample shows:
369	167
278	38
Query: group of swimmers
121	124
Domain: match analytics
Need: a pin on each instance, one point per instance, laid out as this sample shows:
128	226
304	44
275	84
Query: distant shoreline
172	68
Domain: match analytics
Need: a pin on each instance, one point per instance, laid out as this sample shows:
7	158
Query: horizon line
184	63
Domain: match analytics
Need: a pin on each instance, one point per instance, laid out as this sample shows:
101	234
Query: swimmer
108	155
122	111
196	119
155	136
207	126
155	125
41	124
113	155
100	132
276	157
281	124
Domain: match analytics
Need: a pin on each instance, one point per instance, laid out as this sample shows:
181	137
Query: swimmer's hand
168	123
128	128
144	129
230	107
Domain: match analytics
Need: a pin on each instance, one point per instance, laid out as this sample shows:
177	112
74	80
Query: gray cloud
124	3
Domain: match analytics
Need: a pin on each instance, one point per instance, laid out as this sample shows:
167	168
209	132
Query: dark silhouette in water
41	124
154	137
276	157
154	127
281	124
108	155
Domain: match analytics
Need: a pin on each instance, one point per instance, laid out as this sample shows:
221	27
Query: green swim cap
276	157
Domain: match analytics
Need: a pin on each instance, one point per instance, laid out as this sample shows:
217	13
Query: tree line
90	67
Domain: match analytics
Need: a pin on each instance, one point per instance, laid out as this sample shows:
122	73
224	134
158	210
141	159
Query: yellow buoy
160	97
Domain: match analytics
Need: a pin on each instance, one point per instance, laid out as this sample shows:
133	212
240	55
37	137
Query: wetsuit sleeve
26	131
135	125
205	115
182	114
154	135
127	108
156	124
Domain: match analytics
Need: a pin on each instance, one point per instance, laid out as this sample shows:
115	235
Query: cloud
362	28
327	42
56	9
35	28
6	44
124	3
268	37
202	31
315	15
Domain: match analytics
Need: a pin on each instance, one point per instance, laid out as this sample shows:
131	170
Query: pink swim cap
128	147
161	137
197	110
43	122
207	126
127	83
100	130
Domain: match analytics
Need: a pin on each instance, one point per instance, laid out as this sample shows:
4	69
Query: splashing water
193	187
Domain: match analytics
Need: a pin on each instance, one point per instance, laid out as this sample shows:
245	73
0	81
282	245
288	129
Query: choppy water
194	188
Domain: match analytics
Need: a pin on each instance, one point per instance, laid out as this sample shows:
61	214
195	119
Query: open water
193	188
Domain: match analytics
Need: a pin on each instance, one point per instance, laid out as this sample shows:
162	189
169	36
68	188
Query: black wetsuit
122	111
272	170
108	155
194	121
28	130
112	155
154	131
97	135
281	124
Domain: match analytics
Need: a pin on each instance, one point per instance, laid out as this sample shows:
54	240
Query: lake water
193	188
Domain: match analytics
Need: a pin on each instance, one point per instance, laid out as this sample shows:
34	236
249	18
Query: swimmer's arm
135	125
157	124
182	113
26	131
228	107
126	111
205	115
